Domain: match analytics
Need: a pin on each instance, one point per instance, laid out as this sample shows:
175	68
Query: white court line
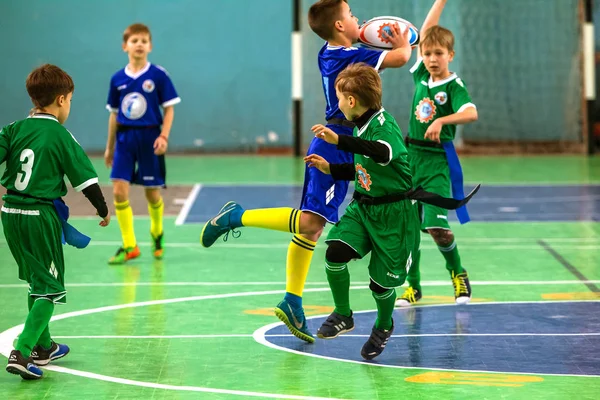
187	205
227	336
260	337
423	283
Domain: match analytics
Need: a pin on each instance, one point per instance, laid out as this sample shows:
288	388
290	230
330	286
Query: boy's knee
339	253
442	237
376	288
120	191
311	225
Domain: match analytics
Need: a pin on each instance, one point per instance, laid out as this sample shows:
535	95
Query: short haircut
437	36
44	84
363	82
135	29
322	16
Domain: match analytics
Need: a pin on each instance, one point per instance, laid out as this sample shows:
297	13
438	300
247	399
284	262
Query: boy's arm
464	116
168	117
401	50
111	140
377	151
433	18
3	145
342	172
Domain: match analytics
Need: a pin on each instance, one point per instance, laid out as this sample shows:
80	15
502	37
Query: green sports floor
199	324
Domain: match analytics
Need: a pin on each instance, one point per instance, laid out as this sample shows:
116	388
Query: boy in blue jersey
138	137
333	21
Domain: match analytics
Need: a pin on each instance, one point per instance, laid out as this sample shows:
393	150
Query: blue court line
492	203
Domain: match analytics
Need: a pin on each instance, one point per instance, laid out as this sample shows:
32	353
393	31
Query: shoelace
235	234
459	285
410	295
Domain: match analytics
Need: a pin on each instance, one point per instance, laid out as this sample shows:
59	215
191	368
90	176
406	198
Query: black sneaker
41	356
376	343
335	325
19	365
462	287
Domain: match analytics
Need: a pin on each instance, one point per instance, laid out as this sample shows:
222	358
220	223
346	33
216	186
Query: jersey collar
433	84
43	116
137	74
362	128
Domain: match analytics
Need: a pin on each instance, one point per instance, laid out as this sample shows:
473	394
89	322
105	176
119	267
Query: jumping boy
138	137
441	101
332	20
39	152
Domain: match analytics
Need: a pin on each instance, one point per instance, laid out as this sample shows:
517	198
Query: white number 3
26	159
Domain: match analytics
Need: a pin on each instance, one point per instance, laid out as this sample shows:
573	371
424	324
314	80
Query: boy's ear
124	46
339	26
60	100
451	56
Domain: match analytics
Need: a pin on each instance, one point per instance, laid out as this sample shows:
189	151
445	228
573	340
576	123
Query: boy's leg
122	174
347	240
156	210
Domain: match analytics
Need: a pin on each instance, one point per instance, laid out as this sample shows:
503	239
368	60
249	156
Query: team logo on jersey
148	85
425	110
363	177
441	98
134	105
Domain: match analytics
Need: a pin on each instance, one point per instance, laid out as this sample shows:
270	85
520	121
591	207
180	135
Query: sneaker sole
208	222
462	300
46	362
300	335
403	303
17	369
337	334
124	261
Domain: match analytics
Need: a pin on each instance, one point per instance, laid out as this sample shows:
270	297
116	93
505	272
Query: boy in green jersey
383	219
39	151
441	101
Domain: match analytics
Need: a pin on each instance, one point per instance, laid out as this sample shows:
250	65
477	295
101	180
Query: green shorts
389	231
430	170
33	234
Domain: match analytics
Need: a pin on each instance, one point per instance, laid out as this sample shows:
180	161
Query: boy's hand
105	221
434	130
325	133
108	157
160	145
397	38
318	162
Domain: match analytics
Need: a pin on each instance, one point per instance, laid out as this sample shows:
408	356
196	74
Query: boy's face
64	107
138	46
346	104
436	59
348	23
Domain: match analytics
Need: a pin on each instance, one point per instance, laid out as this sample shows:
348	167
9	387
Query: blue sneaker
19	365
43	356
229	218
296	322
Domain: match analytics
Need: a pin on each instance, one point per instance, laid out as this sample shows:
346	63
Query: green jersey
434	100
39	152
393	177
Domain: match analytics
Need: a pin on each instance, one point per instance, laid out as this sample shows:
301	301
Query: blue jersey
137	98
333	60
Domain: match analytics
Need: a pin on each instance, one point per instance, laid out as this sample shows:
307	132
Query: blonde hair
135	29
363	82
437	36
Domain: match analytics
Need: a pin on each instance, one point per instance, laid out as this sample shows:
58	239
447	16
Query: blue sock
293	300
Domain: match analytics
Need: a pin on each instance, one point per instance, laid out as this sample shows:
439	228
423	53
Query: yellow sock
283	219
299	255
125	218
156	217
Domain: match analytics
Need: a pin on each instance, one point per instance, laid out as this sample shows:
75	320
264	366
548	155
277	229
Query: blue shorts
321	194
135	161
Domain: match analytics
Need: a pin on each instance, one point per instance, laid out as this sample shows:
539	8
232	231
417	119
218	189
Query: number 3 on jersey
27	157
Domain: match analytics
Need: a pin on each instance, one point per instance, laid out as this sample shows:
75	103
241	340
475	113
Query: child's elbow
474	115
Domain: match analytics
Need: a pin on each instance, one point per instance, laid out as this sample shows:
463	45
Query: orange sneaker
123	255
157	247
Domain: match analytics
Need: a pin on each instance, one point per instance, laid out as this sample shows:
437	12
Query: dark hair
44	84
135	29
363	82
322	16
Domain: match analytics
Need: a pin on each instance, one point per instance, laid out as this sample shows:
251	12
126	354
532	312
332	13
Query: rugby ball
371	32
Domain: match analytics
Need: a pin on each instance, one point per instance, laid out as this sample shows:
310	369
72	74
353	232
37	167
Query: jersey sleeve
459	96
112	104
372	57
167	95
4	142
76	164
391	137
419	72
